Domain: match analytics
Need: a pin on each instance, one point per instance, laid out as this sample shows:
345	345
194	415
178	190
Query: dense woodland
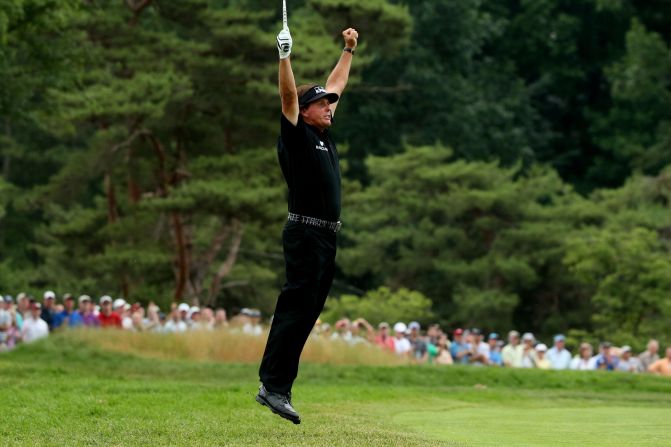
507	163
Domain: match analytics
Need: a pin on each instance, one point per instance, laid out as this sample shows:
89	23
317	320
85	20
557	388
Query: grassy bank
70	391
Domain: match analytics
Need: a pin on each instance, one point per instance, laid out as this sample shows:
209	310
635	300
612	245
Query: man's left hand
351	36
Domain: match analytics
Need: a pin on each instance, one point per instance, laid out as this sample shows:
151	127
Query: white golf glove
284	43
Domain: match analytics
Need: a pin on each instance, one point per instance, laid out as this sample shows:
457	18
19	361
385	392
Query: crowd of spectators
473	347
25	319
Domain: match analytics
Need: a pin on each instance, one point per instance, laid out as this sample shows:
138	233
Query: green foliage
137	154
637	129
382	304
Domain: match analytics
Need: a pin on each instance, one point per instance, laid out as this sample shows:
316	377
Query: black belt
320	223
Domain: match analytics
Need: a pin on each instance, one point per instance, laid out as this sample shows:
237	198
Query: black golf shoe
279	404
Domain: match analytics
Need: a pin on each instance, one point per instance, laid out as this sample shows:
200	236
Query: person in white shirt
583	361
402	345
558	355
34	327
512	353
175	323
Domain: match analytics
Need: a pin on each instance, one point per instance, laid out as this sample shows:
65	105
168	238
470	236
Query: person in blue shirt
606	360
69	316
460	349
558	355
495	357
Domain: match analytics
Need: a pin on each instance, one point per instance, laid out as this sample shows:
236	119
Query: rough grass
68	391
227	346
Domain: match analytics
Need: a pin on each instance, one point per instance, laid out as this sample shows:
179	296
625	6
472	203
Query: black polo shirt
309	162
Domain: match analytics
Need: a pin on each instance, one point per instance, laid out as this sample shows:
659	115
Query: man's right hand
284	43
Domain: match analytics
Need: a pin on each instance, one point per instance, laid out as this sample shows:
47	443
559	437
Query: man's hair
301	89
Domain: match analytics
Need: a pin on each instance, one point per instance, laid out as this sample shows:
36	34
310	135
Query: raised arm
337	80
287	83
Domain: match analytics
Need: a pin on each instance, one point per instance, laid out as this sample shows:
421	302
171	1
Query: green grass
64	391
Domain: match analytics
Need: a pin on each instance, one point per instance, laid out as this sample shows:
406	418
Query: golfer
309	162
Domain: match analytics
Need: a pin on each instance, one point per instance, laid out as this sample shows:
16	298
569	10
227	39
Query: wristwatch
349	50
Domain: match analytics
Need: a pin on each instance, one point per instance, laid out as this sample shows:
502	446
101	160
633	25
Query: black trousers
309	255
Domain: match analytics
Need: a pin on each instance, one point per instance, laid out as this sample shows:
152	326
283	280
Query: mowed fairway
63	391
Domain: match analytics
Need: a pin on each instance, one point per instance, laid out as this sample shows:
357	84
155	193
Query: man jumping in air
309	162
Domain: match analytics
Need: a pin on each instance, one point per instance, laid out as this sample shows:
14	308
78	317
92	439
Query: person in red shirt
107	317
383	339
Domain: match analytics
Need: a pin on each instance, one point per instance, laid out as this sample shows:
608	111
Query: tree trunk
227	265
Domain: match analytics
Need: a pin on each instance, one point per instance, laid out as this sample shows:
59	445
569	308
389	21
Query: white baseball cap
119	302
105	299
49	295
84	298
541	347
400	327
183	307
193	310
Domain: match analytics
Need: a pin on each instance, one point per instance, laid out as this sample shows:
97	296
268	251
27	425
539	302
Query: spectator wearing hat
86	311
628	363
253	324
107	317
419	351
558	355
650	355
528	351
583	360
606	360
342	330
22	307
512	352
479	349
662	367
34	327
122	308
175	323
183	312
196	322
495	355
48	308
541	361
402	345
68	317
460	349
383	339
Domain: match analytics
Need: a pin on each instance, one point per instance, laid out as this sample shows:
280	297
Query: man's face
318	114
24	303
514	340
559	344
626	355
69	304
653	347
106	307
36	312
48	303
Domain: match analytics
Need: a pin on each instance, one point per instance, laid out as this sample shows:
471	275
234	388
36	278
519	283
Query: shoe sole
265	403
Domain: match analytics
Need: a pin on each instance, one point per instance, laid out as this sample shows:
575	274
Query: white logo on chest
321	146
